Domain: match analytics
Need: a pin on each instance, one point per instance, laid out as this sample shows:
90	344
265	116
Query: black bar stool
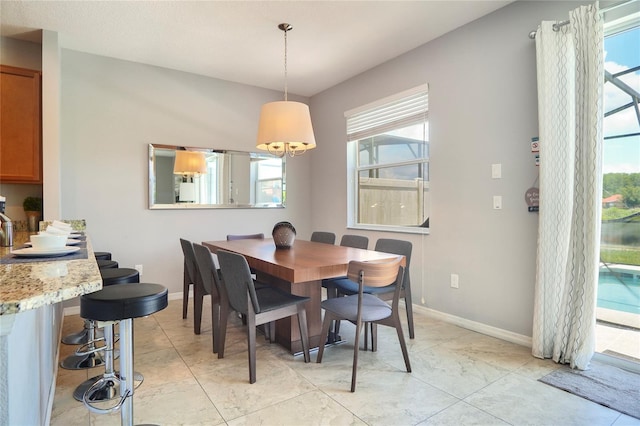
88	356
110	276
105	255
123	303
106	264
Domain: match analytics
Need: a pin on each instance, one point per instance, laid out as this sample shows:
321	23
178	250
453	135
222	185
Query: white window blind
402	110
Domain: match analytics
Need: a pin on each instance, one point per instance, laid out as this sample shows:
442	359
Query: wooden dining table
298	270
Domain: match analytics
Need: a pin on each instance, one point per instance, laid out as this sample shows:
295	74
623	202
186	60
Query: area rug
604	384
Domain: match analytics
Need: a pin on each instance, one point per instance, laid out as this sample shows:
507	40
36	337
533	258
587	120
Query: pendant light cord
286	29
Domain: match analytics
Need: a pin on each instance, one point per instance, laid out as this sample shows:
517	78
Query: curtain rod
558	25
556	28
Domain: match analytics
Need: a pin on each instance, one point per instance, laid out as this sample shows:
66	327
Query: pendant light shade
285	126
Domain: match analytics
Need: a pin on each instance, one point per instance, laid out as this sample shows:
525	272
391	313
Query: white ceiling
239	41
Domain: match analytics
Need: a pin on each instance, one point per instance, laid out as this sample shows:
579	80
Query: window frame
354	168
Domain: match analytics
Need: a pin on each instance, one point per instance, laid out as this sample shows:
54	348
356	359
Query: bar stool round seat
112	276
123	303
106	264
105	255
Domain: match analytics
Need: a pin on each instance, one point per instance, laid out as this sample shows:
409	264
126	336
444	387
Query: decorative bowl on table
284	234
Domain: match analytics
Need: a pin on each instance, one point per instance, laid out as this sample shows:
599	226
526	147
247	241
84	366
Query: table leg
287	331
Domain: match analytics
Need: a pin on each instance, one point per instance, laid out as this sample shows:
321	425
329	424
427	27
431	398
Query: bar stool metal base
80	338
108	389
81	362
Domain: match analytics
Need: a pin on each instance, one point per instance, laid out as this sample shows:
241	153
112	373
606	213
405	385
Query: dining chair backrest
401	247
323	237
189	259
232	237
355	241
236	278
375	274
207	269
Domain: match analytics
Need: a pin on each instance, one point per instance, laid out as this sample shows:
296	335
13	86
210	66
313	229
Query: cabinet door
20	133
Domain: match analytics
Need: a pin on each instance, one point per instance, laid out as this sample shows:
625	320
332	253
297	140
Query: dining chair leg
304	332
222	327
251	338
409	307
198	296
374	337
370	329
326	323
366	336
403	344
336	328
356	349
185	292
215	322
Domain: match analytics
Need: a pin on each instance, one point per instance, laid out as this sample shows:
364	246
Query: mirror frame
152	205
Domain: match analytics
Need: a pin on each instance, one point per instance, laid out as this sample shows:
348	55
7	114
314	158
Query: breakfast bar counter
31	290
30	285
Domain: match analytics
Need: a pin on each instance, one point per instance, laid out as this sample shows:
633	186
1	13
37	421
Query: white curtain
570	80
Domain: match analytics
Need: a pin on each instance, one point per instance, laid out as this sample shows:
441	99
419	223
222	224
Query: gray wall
111	110
483	110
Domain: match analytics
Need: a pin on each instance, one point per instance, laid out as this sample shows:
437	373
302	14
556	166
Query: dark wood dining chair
347	240
345	287
323	237
260	307
362	308
210	278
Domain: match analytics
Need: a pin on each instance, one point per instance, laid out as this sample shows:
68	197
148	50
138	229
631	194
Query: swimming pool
613	294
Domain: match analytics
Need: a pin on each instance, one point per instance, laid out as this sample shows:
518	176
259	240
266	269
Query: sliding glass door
618	306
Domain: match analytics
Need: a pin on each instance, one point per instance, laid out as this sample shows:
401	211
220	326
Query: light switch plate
496	171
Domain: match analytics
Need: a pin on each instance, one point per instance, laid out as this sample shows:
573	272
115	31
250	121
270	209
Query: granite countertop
30	285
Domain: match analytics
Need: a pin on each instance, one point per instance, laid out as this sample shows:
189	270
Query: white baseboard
178	295
498	333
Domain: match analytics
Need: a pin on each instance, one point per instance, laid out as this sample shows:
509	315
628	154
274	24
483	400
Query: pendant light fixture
285	126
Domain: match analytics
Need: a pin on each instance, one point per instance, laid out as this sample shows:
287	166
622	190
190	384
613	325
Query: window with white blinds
388	114
388	162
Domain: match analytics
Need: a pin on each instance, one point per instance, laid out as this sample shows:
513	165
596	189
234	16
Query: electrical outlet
139	269
455	281
497	202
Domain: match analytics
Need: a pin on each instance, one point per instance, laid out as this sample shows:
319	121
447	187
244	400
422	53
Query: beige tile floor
459	378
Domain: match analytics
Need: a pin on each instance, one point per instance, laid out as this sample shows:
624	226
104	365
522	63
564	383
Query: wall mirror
187	177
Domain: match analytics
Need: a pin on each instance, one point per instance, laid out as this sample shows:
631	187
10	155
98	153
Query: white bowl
48	241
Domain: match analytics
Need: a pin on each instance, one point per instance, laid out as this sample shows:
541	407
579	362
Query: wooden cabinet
20	123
